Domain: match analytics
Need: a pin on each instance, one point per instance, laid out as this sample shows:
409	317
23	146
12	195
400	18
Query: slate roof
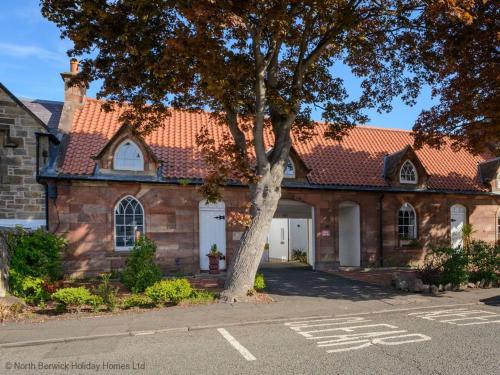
46	110
354	162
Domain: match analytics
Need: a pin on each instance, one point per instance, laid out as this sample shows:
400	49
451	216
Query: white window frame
292	173
115	225
404	180
407	207
124	165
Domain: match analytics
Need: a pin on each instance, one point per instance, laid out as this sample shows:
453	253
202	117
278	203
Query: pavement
320	323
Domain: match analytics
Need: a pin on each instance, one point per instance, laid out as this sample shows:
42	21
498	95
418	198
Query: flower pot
213	265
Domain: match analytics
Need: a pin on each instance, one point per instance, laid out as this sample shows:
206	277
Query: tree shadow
296	281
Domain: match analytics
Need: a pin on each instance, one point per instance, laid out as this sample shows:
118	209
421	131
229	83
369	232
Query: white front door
457	215
212	231
349	235
278	240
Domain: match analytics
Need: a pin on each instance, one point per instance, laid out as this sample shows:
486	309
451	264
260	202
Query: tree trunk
265	195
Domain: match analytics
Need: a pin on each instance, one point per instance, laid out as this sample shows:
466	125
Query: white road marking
459	317
340	336
240	348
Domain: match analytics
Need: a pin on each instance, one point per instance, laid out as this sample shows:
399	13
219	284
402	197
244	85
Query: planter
213	264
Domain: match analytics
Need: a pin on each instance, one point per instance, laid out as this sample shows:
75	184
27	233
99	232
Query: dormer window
289	169
408	173
128	157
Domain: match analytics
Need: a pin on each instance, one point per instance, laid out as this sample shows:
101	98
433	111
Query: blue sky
32	55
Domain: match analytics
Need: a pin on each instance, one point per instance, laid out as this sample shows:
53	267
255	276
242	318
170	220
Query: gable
393	163
105	157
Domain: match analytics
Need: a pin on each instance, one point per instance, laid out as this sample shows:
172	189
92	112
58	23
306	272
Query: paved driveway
286	280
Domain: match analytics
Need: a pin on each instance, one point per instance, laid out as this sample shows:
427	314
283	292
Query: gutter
287	184
381	230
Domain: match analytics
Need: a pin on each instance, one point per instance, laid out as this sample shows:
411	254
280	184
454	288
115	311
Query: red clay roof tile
355	161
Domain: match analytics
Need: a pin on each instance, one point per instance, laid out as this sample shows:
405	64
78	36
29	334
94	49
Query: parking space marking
459	317
352	333
240	348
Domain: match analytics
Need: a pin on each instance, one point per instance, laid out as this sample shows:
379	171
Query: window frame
115	225
293	173
405	180
407	207
128	168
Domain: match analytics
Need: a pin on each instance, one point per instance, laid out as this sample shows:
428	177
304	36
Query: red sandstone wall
83	212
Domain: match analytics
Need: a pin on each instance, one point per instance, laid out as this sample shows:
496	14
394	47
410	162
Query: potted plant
214	256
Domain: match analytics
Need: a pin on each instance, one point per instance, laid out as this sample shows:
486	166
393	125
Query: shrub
141	271
107	292
299	255
75	298
259	283
34	258
449	265
136	300
173	290
484	261
36	254
29	288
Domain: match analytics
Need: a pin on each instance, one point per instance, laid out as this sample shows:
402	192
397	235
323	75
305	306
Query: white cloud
24	51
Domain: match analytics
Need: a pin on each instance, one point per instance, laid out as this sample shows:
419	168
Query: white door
278	240
457	216
212	231
349	235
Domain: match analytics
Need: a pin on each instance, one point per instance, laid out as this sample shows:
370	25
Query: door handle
221	217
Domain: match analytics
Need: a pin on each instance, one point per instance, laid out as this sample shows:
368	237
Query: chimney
73	97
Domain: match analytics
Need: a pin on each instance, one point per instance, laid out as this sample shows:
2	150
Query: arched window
408	173
407	222
128	157
129	222
289	169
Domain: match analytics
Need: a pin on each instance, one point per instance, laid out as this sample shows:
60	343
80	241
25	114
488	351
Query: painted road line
353	333
459	317
240	348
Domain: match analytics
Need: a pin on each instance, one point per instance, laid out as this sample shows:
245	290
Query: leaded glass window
407	223
129	222
408	173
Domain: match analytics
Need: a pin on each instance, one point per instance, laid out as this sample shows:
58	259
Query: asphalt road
320	324
433	340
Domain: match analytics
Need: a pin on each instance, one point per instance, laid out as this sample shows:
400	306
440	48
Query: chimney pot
73	66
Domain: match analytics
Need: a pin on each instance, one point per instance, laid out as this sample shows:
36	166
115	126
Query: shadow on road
301	281
492	301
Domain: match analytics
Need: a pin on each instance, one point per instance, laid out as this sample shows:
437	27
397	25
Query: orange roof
355	161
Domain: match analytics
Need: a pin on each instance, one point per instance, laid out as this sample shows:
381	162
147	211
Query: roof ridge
31	100
374	127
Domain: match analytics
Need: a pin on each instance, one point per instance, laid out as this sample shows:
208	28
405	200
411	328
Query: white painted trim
240	348
414	169
25	223
127	248
127	167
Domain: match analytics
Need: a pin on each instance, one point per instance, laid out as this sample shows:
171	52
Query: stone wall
21	197
83	213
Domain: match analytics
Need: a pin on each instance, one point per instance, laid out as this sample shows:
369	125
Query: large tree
259	66
459	45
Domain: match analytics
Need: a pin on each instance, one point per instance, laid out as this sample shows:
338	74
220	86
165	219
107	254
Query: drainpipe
381	230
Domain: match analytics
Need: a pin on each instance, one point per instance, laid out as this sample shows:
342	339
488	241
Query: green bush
484	261
29	288
173	290
34	258
136	300
75	298
141	271
259	283
451	265
36	254
107	292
